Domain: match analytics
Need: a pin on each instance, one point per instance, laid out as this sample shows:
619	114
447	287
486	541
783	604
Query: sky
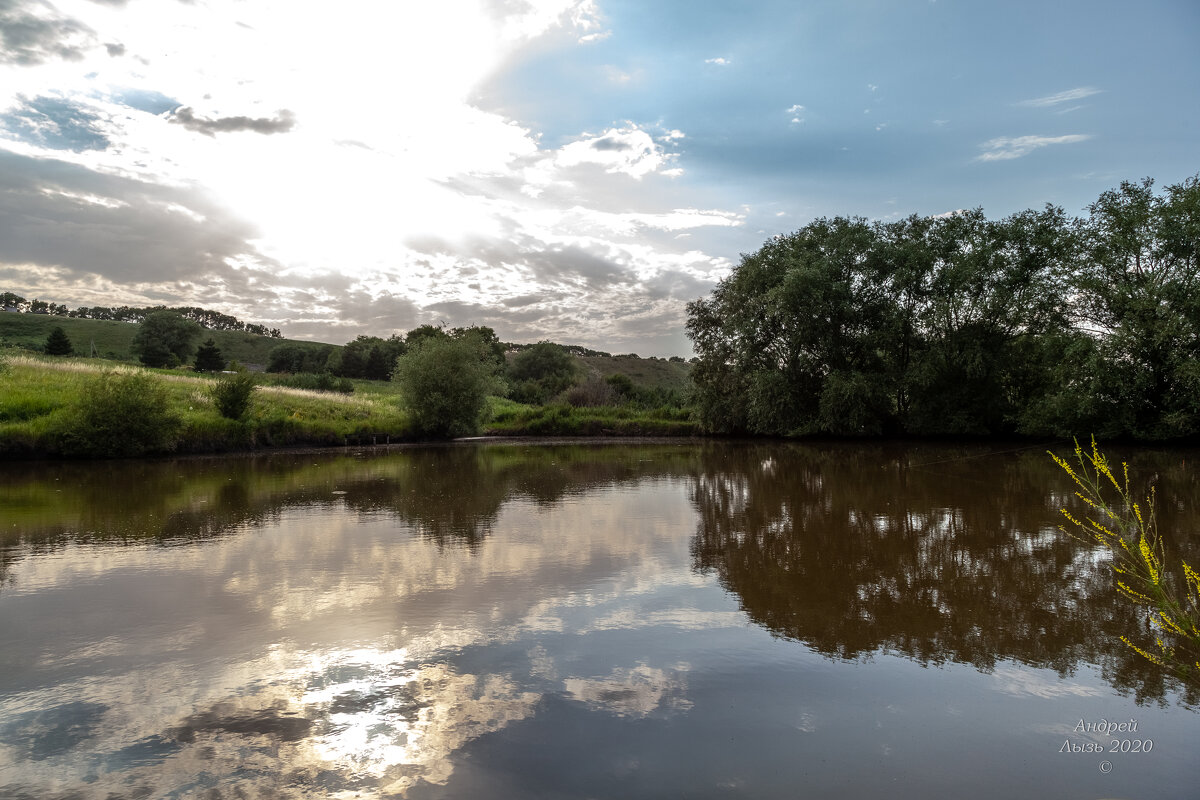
572	170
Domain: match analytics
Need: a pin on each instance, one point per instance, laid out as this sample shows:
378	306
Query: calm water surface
519	621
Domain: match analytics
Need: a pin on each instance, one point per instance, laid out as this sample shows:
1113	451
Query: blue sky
568	169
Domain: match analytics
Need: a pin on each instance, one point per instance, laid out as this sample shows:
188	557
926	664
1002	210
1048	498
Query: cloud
28	38
1005	148
78	228
796	109
282	123
1068	96
719	61
628	151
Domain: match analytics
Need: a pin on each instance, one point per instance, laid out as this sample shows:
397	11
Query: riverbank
44	414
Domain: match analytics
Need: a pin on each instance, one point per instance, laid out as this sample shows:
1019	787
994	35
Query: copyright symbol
1106	767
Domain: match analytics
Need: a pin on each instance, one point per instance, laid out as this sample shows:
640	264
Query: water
514	621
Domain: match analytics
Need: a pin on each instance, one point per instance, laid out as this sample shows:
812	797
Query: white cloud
1068	96
629	151
719	61
796	109
1005	148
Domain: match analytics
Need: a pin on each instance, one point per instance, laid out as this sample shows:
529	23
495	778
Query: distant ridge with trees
206	318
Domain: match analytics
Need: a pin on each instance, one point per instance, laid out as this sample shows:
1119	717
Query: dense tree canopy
1033	324
165	339
540	372
368	357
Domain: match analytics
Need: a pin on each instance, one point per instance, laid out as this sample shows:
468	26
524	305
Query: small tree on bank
58	343
444	383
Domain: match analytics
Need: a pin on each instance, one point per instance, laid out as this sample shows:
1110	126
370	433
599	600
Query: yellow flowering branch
1129	532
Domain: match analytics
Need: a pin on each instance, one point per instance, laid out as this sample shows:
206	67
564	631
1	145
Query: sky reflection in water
700	620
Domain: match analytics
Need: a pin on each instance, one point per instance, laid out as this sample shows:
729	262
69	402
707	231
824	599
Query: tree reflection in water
934	554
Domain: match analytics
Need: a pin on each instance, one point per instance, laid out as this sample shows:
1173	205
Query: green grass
644	372
515	419
38	396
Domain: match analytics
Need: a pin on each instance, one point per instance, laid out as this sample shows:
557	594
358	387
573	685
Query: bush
119	414
444	383
321	382
541	372
232	393
592	392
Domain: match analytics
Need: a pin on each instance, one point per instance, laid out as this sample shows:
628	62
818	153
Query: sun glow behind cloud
567	169
340	139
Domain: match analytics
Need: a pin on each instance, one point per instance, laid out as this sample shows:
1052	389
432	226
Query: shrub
119	414
320	382
541	372
592	392
444	383
232	393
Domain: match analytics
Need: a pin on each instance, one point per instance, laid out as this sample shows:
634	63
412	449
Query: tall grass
42	412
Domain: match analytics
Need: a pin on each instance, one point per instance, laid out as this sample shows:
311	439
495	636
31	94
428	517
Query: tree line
213	320
1035	324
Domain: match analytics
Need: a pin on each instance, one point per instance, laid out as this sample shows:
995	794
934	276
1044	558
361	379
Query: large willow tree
1034	324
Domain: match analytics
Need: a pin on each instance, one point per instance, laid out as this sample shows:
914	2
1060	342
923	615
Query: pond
518	620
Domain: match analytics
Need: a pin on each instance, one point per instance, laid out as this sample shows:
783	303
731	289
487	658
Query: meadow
46	411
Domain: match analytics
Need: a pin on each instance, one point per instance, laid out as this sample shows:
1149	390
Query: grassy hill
650	373
111	339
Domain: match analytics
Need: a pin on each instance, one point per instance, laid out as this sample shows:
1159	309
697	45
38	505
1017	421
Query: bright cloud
1005	148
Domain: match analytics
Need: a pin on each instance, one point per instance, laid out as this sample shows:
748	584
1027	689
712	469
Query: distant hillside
111	339
652	373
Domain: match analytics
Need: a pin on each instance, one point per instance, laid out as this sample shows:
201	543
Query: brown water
519	621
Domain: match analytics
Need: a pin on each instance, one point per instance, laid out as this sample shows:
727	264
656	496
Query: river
520	620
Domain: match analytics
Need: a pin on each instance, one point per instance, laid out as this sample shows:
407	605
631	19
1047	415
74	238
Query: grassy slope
645	372
29	332
37	394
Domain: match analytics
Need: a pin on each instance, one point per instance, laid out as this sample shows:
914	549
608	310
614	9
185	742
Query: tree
1139	285
444	384
165	339
799	316
58	343
540	372
422	332
369	357
296	357
209	358
927	325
